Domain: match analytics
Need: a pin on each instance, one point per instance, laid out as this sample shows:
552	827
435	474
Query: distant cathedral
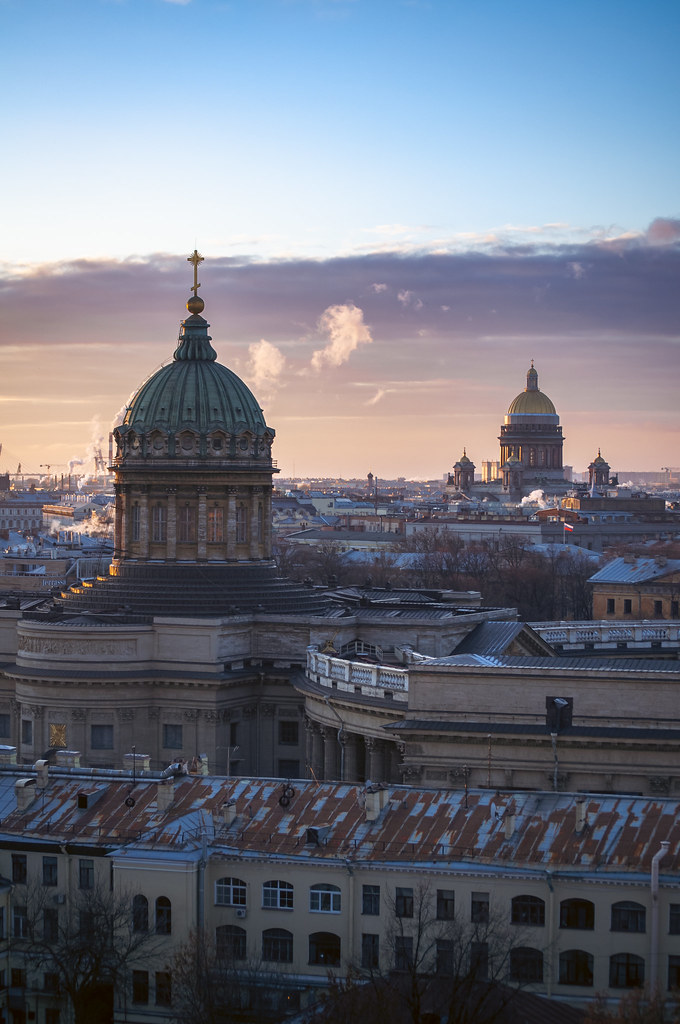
531	443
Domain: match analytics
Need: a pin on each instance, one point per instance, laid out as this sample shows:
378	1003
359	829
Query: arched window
277	895
277	945
628	917
626	970
140	914
576	968
230	892
230	942
528	910
577	914
324	899
163	916
526	964
324	948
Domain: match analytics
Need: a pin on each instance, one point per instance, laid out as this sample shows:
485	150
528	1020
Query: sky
401	203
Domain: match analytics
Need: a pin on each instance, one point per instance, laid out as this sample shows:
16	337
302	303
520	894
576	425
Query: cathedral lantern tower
598	472
464	473
532	435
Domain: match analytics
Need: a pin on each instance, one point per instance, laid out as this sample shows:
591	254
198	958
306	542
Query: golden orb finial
195	303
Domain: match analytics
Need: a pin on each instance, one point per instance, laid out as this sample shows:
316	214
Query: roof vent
317	835
581	815
86	798
8	755
165	795
68	758
376	798
24	790
41	771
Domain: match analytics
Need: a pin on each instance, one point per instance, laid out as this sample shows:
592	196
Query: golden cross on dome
195	258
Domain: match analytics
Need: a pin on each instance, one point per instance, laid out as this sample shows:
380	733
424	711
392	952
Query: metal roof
485	831
620	570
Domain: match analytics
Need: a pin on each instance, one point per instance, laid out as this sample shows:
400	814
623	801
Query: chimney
202	764
8	755
581	817
24	790
41	770
377	796
509	824
228	812
68	758
165	796
136	762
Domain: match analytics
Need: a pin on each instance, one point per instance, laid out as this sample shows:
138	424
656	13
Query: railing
357	677
609	632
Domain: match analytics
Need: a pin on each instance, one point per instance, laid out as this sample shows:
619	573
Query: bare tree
437	966
86	946
638	1007
224	984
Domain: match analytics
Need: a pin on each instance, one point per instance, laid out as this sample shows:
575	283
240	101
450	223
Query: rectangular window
403	903
172	736
50	924
51	981
675	609
163	988
288	733
673	973
658	609
215	525
403	952
49	871
288	768
135	520
18	977
479	960
241	524
86	873
233	734
186	524
627	606
140	986
27	732
444	961
611	606
370	951
479	908
20	922
101	737
4	726
446	906
674	919
370	900
19	868
57	734
159	524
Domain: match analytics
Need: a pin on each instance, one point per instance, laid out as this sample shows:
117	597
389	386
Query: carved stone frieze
192	714
153	714
125	714
78	714
99	647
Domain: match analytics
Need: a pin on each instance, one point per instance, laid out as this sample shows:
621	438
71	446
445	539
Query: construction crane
48	466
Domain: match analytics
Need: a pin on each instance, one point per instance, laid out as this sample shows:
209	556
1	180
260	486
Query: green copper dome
194	392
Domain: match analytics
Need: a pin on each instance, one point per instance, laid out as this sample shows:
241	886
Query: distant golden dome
532	401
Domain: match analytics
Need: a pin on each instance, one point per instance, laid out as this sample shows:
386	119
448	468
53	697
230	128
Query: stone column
254	545
330	753
144	522
373	759
267	521
231	522
317	751
118	525
123	521
171	545
201	526
349	741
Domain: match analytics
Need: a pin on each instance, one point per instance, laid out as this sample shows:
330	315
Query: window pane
101	737
370	951
404	902
370	899
446	908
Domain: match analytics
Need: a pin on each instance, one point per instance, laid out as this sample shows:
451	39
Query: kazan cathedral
194	650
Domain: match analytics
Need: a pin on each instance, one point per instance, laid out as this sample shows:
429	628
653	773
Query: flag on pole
568	527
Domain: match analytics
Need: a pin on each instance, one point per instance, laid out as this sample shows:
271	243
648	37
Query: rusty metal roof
496	831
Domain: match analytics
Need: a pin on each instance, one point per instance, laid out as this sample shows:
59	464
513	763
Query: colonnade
336	754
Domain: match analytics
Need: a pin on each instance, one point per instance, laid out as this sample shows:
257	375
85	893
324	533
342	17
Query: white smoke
346	329
536	497
266	365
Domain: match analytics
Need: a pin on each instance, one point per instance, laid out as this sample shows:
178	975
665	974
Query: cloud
663	231
378	288
265	367
408	299
380	393
346	329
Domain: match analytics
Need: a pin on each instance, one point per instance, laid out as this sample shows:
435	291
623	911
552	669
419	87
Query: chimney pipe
24	790
165	796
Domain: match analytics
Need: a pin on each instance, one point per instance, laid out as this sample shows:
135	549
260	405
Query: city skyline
400	205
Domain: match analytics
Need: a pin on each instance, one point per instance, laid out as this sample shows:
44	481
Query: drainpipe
551	929
654	926
350	922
